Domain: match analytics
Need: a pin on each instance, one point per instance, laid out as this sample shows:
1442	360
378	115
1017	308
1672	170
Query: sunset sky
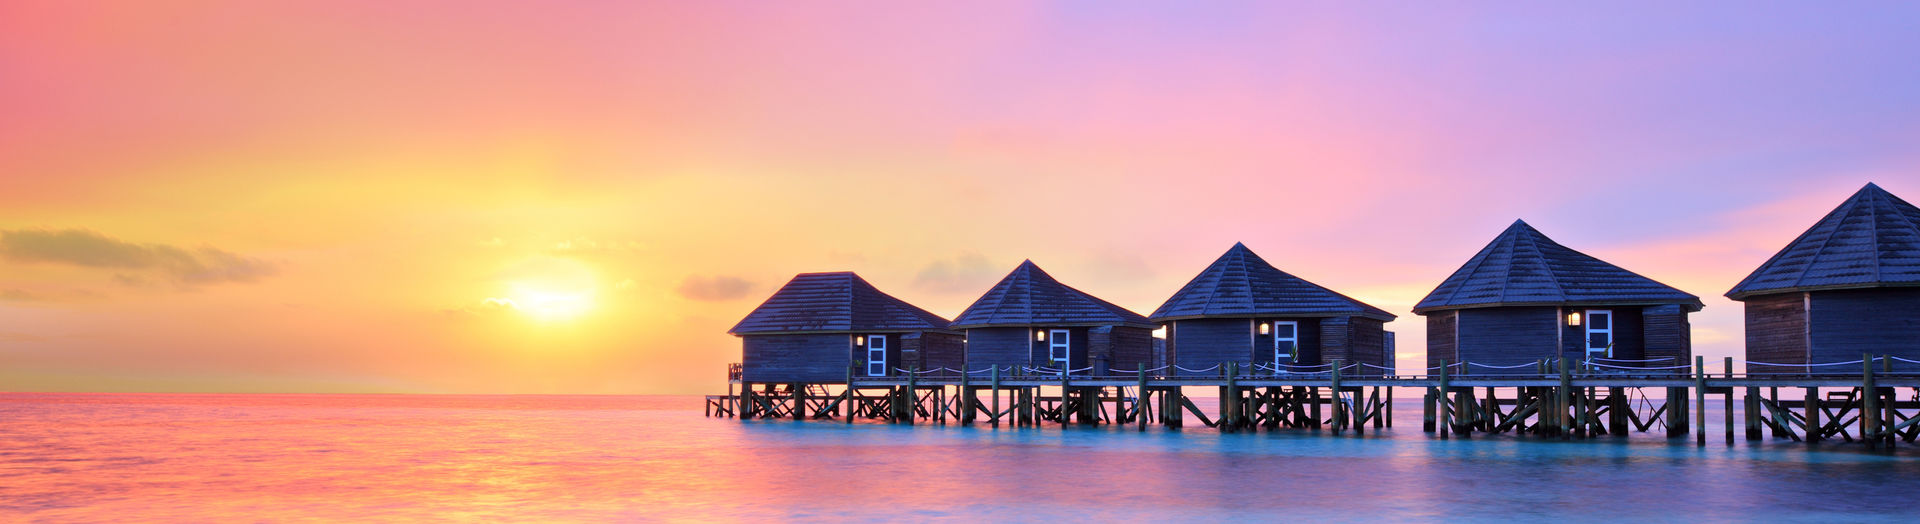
581	197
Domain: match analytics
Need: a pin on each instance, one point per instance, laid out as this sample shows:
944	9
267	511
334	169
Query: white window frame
1061	340
1292	356
1606	352
877	349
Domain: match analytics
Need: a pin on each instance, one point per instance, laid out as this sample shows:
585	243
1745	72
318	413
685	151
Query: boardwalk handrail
1590	368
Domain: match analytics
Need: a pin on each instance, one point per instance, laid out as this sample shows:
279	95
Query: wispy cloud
715	288
966	272
90	249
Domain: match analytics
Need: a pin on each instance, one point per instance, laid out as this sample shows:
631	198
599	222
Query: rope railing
1591	367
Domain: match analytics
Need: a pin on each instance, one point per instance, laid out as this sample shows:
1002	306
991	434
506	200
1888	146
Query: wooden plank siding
1442	335
1847	323
1121	347
1507	336
999	347
1668	335
796	358
1629	332
939	350
1203	342
1367	343
1777	331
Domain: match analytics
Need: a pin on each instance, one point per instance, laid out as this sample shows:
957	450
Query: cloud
20	295
18	337
715	288
966	272
84	248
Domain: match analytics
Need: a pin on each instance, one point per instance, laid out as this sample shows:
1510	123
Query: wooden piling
1870	398
1446	417
1700	399
996	396
1814	429
1339	408
1563	401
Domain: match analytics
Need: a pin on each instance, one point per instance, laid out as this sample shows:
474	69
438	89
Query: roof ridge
1558	286
1846	210
1873	218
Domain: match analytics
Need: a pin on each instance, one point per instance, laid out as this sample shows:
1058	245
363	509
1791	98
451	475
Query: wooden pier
1565	400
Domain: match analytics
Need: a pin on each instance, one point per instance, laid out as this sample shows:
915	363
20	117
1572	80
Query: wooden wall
1505	336
795	358
1777	332
1120	347
1668	334
1848	323
1367	343
941	350
1001	346
1629	332
1202	342
1442	327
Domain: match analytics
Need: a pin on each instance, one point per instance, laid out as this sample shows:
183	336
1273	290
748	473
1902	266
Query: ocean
334	458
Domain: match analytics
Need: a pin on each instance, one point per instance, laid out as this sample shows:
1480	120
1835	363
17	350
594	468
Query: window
1286	343
1599	333
876	355
1059	349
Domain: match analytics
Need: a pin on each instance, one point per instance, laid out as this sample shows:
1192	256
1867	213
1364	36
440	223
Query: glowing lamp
1040	335
859	341
1573	319
1265	328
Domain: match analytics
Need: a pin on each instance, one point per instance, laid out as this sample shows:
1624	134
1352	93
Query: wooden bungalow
1849	285
1242	309
1525	298
1031	320
819	324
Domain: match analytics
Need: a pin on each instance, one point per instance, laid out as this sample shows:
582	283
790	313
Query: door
1060	349
1599	333
876	355
1286	344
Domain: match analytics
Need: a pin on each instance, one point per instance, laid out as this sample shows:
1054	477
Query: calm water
566	458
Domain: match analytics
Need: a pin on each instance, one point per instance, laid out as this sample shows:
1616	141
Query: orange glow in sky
517	197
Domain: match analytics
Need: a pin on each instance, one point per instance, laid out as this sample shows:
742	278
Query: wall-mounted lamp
1040	335
859	341
1266	328
1573	319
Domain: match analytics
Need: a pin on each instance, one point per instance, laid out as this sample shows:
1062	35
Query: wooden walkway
1563	403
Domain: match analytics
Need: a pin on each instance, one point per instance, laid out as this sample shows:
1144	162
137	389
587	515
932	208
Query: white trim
881	350
1292	356
1590	323
1062	340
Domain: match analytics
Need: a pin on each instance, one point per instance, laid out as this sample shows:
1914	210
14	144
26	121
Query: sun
551	289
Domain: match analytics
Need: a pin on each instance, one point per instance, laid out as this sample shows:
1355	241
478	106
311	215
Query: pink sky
582	198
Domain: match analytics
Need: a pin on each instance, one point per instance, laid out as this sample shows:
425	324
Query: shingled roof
834	302
1871	240
1029	296
1240	284
1522	267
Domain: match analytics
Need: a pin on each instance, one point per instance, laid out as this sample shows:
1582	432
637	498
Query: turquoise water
564	458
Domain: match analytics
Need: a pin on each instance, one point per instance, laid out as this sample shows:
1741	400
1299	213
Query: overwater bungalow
1845	287
819	324
1242	309
1030	320
1525	298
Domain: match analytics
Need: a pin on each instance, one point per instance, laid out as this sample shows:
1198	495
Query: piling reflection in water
341	457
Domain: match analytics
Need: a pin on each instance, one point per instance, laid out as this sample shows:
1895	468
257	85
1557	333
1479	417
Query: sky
582	197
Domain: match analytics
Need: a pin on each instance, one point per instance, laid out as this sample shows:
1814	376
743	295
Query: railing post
1339	407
